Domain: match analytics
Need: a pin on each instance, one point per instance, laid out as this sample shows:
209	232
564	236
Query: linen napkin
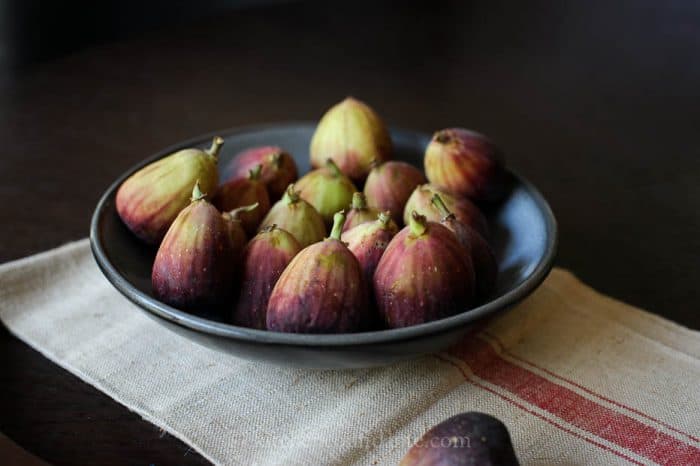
578	378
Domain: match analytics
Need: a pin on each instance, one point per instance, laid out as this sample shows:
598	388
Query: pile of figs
361	242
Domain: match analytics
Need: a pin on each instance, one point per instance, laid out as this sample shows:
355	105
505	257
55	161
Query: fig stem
197	193
338	222
216	144
442	137
290	195
417	224
384	218
439	204
276	159
254	173
333	167
359	201
246	208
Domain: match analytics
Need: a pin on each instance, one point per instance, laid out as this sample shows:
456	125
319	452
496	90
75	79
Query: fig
235	228
369	240
424	275
194	266
245	191
465	211
359	212
483	259
321	290
390	184
465	439
354	136
466	164
327	189
150	199
278	168
298	217
264	259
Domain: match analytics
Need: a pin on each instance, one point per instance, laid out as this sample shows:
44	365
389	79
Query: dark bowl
523	234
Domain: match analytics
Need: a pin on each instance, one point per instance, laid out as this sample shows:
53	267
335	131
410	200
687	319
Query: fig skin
150	199
354	136
483	258
194	267
321	291
359	212
327	189
465	439
369	240
245	191
465	164
424	275
278	168
298	217
465	211
389	186
264	259
237	234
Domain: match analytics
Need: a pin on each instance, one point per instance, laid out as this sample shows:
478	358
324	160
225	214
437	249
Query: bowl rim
254	336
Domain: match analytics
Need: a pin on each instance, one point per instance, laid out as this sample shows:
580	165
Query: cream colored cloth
577	377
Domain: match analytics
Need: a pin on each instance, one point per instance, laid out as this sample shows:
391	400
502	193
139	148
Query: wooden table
597	104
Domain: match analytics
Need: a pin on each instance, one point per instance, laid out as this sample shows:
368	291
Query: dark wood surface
598	103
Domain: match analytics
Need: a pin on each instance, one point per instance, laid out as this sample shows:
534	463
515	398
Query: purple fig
264	259
465	211
465	439
278	168
465	164
390	184
298	217
483	259
327	189
369	240
245	191
150	199
321	291
194	266
235	228
359	212
354	136
424	275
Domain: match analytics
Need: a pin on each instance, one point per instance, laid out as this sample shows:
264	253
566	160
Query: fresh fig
483	259
369	240
245	191
327	189
465	211
278	168
359	212
321	290
424	275
354	136
390	184
298	217
150	199
194	266
465	439
235	227
465	163
264	259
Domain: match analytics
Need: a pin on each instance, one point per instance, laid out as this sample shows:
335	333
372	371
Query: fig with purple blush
359	212
368	241
390	184
278	168
245	191
235	228
327	189
296	216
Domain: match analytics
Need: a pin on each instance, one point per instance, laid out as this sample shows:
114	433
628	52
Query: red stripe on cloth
503	349
603	422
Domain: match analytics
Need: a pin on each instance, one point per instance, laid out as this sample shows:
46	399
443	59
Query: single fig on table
278	168
368	241
194	266
150	199
424	275
465	439
327	189
466	164
264	259
321	291
390	184
296	216
483	259
421	201
235	227
354	136
245	191
359	212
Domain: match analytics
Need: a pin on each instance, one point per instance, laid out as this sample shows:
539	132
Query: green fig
298	217
327	189
194	266
359	212
150	199
245	191
354	136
